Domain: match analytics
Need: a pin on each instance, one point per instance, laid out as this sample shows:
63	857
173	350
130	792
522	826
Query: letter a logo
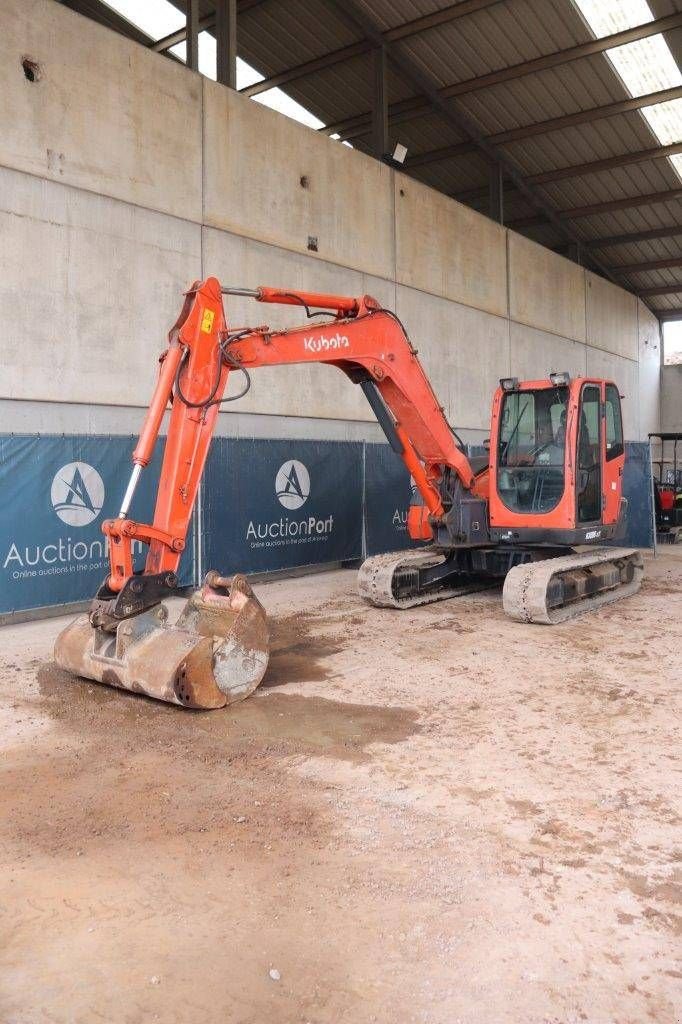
77	493
292	484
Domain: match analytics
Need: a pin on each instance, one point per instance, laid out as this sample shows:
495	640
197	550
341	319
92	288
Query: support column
575	252
496	193
192	31
226	42
380	105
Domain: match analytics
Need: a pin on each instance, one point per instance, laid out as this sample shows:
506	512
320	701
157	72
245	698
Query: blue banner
637	488
271	505
266	505
388	490
57	490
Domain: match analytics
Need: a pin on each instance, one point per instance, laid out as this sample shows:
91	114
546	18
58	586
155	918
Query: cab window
614	423
531	449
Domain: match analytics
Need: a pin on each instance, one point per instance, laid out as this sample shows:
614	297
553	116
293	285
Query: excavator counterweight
552	480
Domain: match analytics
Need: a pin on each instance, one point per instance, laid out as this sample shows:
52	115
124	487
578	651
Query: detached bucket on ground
216	653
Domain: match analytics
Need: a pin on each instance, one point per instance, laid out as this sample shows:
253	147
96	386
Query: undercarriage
541	584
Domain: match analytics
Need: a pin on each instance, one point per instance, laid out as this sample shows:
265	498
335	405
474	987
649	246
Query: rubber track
375	579
524	596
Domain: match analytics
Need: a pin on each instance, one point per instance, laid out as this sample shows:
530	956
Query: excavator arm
217	651
363	340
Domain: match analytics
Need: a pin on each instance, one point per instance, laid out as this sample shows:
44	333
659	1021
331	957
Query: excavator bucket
216	652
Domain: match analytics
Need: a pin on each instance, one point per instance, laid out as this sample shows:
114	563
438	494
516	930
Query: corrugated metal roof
277	35
497	37
502	35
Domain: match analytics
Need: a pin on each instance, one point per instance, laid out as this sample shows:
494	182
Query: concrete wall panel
649	347
106	114
89	288
463	350
447	249
623	372
671	400
255	162
611	317
545	290
535	354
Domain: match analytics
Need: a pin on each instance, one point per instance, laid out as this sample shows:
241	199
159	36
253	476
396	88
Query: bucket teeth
215	654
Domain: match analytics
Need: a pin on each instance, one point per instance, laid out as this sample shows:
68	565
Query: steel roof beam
609	163
575	212
436	18
226	42
665	289
380	123
405	31
627	203
578	170
642	268
410	28
496	194
552	125
161	45
635	236
310	67
668	314
192	28
407	109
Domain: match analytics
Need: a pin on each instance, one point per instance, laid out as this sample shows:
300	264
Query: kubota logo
292	484
324	344
77	493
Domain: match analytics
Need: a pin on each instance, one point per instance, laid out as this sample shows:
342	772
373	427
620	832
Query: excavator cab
531	449
557	460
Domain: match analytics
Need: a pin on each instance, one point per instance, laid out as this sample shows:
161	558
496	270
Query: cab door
590	455
613	453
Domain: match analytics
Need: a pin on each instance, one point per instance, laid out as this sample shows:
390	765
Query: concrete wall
650	354
123	177
545	290
671	399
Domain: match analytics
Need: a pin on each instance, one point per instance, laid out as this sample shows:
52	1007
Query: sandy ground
432	816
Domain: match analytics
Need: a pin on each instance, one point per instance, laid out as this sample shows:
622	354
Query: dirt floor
432	816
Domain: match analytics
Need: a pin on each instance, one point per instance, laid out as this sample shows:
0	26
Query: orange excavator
552	480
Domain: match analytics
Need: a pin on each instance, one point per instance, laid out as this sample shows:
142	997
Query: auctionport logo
77	493
292	484
292	488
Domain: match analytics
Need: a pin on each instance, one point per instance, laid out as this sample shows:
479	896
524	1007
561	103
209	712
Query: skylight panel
159	18
608	16
645	66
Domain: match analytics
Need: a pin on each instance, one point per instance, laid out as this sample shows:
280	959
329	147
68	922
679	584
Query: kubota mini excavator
553	479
